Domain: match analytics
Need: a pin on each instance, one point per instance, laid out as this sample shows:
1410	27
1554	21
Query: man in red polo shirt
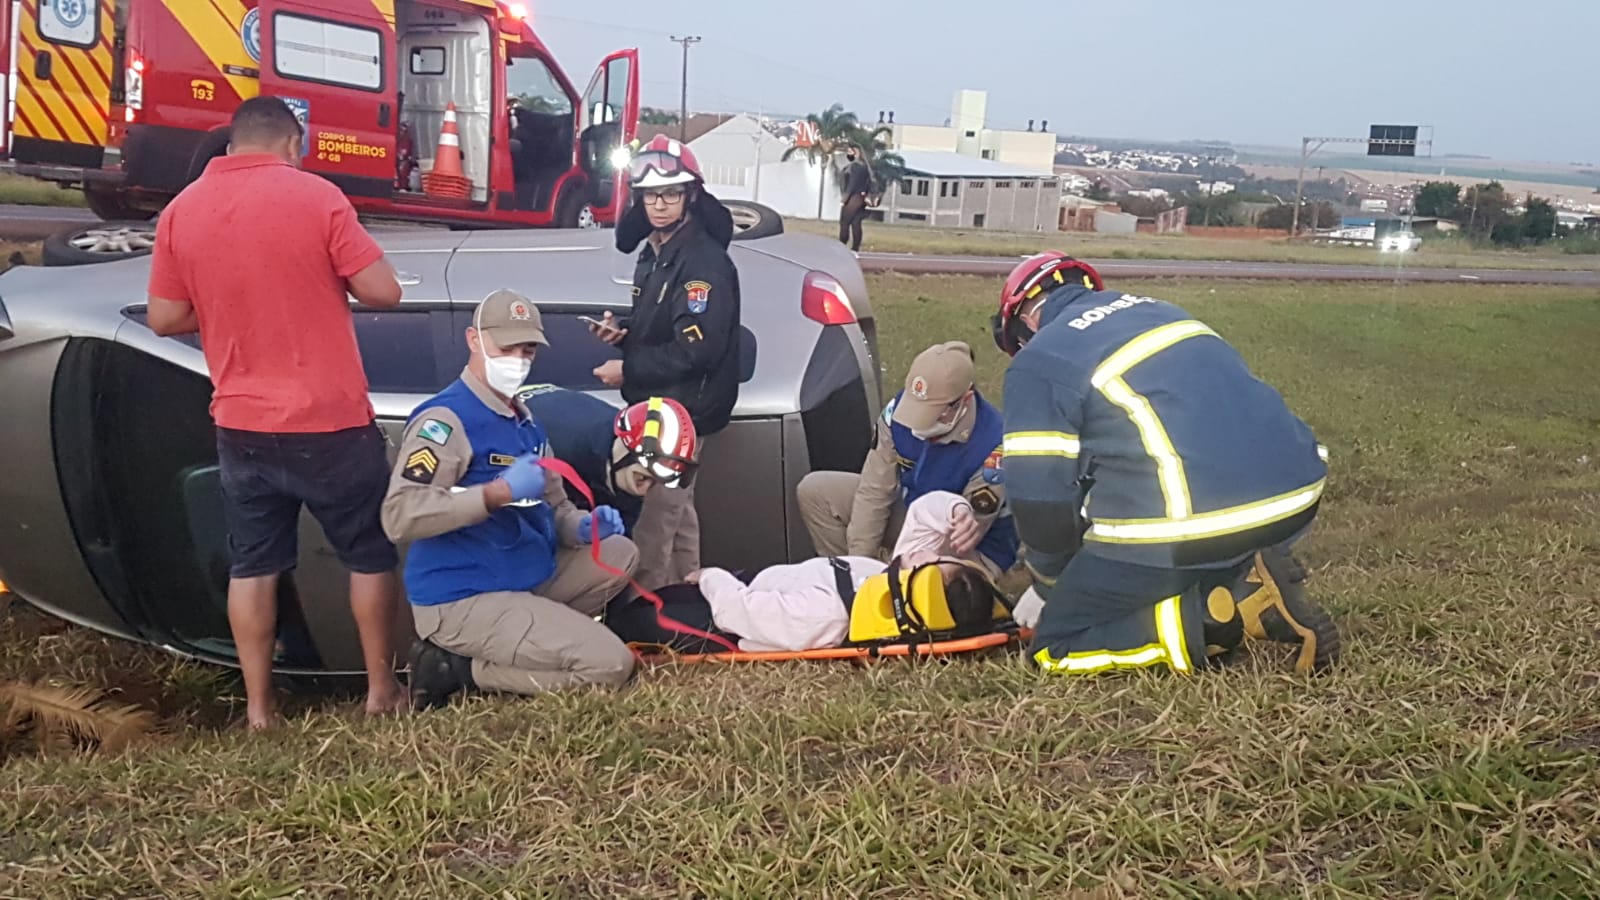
258	256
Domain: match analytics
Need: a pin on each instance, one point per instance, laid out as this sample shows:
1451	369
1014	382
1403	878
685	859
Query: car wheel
586	217
752	221
100	242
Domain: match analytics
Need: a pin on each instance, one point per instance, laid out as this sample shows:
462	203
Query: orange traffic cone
446	179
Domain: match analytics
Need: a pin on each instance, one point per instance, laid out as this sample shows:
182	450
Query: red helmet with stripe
662	162
1036	275
659	435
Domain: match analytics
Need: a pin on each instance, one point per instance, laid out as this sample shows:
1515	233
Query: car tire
99	242
752	221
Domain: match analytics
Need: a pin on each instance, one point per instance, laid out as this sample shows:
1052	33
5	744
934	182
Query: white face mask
941	429
506	373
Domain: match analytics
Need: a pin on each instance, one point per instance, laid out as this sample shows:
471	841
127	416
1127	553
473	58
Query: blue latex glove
526	477
610	524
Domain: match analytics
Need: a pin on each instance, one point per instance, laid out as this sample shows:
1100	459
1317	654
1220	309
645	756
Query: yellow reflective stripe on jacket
1171	647
1145	346
1108	379
1205	525
1040	443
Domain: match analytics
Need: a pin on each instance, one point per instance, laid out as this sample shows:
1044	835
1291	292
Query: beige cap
939	376
509	319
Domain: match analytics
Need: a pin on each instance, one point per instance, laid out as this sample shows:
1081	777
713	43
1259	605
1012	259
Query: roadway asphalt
25	223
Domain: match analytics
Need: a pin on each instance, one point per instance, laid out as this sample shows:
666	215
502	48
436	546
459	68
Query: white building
743	160
953	190
968	134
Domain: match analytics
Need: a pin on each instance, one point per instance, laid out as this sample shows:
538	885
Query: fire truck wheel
100	242
573	212
111	208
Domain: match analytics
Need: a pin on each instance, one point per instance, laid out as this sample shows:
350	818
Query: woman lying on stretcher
822	602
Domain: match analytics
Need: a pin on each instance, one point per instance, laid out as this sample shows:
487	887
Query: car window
574	353
398	351
528	79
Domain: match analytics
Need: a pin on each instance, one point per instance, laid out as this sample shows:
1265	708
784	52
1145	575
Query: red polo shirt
262	251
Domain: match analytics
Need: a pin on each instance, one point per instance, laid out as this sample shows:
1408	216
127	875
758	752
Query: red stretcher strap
570	476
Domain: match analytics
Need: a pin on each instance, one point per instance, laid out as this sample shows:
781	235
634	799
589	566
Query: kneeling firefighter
1156	484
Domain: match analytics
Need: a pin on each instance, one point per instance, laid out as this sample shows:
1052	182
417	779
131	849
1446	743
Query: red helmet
1029	279
660	436
663	162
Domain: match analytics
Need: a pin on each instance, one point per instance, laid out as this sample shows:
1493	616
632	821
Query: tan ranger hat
509	319
938	377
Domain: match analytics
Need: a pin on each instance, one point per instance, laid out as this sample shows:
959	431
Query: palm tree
886	165
835	128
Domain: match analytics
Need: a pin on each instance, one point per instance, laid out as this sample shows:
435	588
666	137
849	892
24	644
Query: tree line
1488	211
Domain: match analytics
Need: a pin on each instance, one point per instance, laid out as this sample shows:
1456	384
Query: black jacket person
682	334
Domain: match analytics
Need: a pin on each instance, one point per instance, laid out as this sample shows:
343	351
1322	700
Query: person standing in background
853	208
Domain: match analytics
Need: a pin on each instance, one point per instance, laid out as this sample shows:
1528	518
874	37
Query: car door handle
407	279
383	115
41	65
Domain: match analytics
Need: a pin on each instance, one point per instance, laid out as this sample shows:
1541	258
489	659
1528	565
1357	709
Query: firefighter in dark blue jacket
938	434
618	461
1156	483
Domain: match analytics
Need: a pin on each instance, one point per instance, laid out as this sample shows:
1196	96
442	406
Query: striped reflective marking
1040	443
74	105
1108	379
1170	647
1211	524
214	26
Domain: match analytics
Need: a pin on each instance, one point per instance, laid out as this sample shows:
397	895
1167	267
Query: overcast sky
1511	80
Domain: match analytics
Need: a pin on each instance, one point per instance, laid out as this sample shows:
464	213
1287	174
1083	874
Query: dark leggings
635	621
850	216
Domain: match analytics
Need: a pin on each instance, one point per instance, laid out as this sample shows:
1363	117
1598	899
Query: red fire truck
132	98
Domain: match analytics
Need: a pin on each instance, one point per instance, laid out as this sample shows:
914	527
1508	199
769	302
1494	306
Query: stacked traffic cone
446	180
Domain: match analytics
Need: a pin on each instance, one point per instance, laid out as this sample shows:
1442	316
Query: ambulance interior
447	56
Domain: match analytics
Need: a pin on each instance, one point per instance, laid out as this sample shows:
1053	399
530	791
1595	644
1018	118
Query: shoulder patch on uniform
993	469
699	293
421	466
888	410
984	501
693	335
436	431
500	459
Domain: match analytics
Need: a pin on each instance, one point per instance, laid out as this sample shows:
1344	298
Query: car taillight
823	299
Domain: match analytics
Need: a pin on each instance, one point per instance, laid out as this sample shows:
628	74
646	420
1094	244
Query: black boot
1222	626
1277	609
437	675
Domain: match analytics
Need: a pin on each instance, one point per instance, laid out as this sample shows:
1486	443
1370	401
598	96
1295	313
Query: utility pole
683	103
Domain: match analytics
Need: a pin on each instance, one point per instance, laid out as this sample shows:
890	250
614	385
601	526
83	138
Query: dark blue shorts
340	476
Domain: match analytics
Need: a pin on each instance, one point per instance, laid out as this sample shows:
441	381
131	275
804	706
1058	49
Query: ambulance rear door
6	83
607	121
63	65
334	64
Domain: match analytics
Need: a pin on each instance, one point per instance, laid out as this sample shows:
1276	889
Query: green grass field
1455	753
25	191
1435	252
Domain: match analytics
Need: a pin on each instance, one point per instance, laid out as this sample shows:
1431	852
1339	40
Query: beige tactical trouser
825	500
545	640
668	533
